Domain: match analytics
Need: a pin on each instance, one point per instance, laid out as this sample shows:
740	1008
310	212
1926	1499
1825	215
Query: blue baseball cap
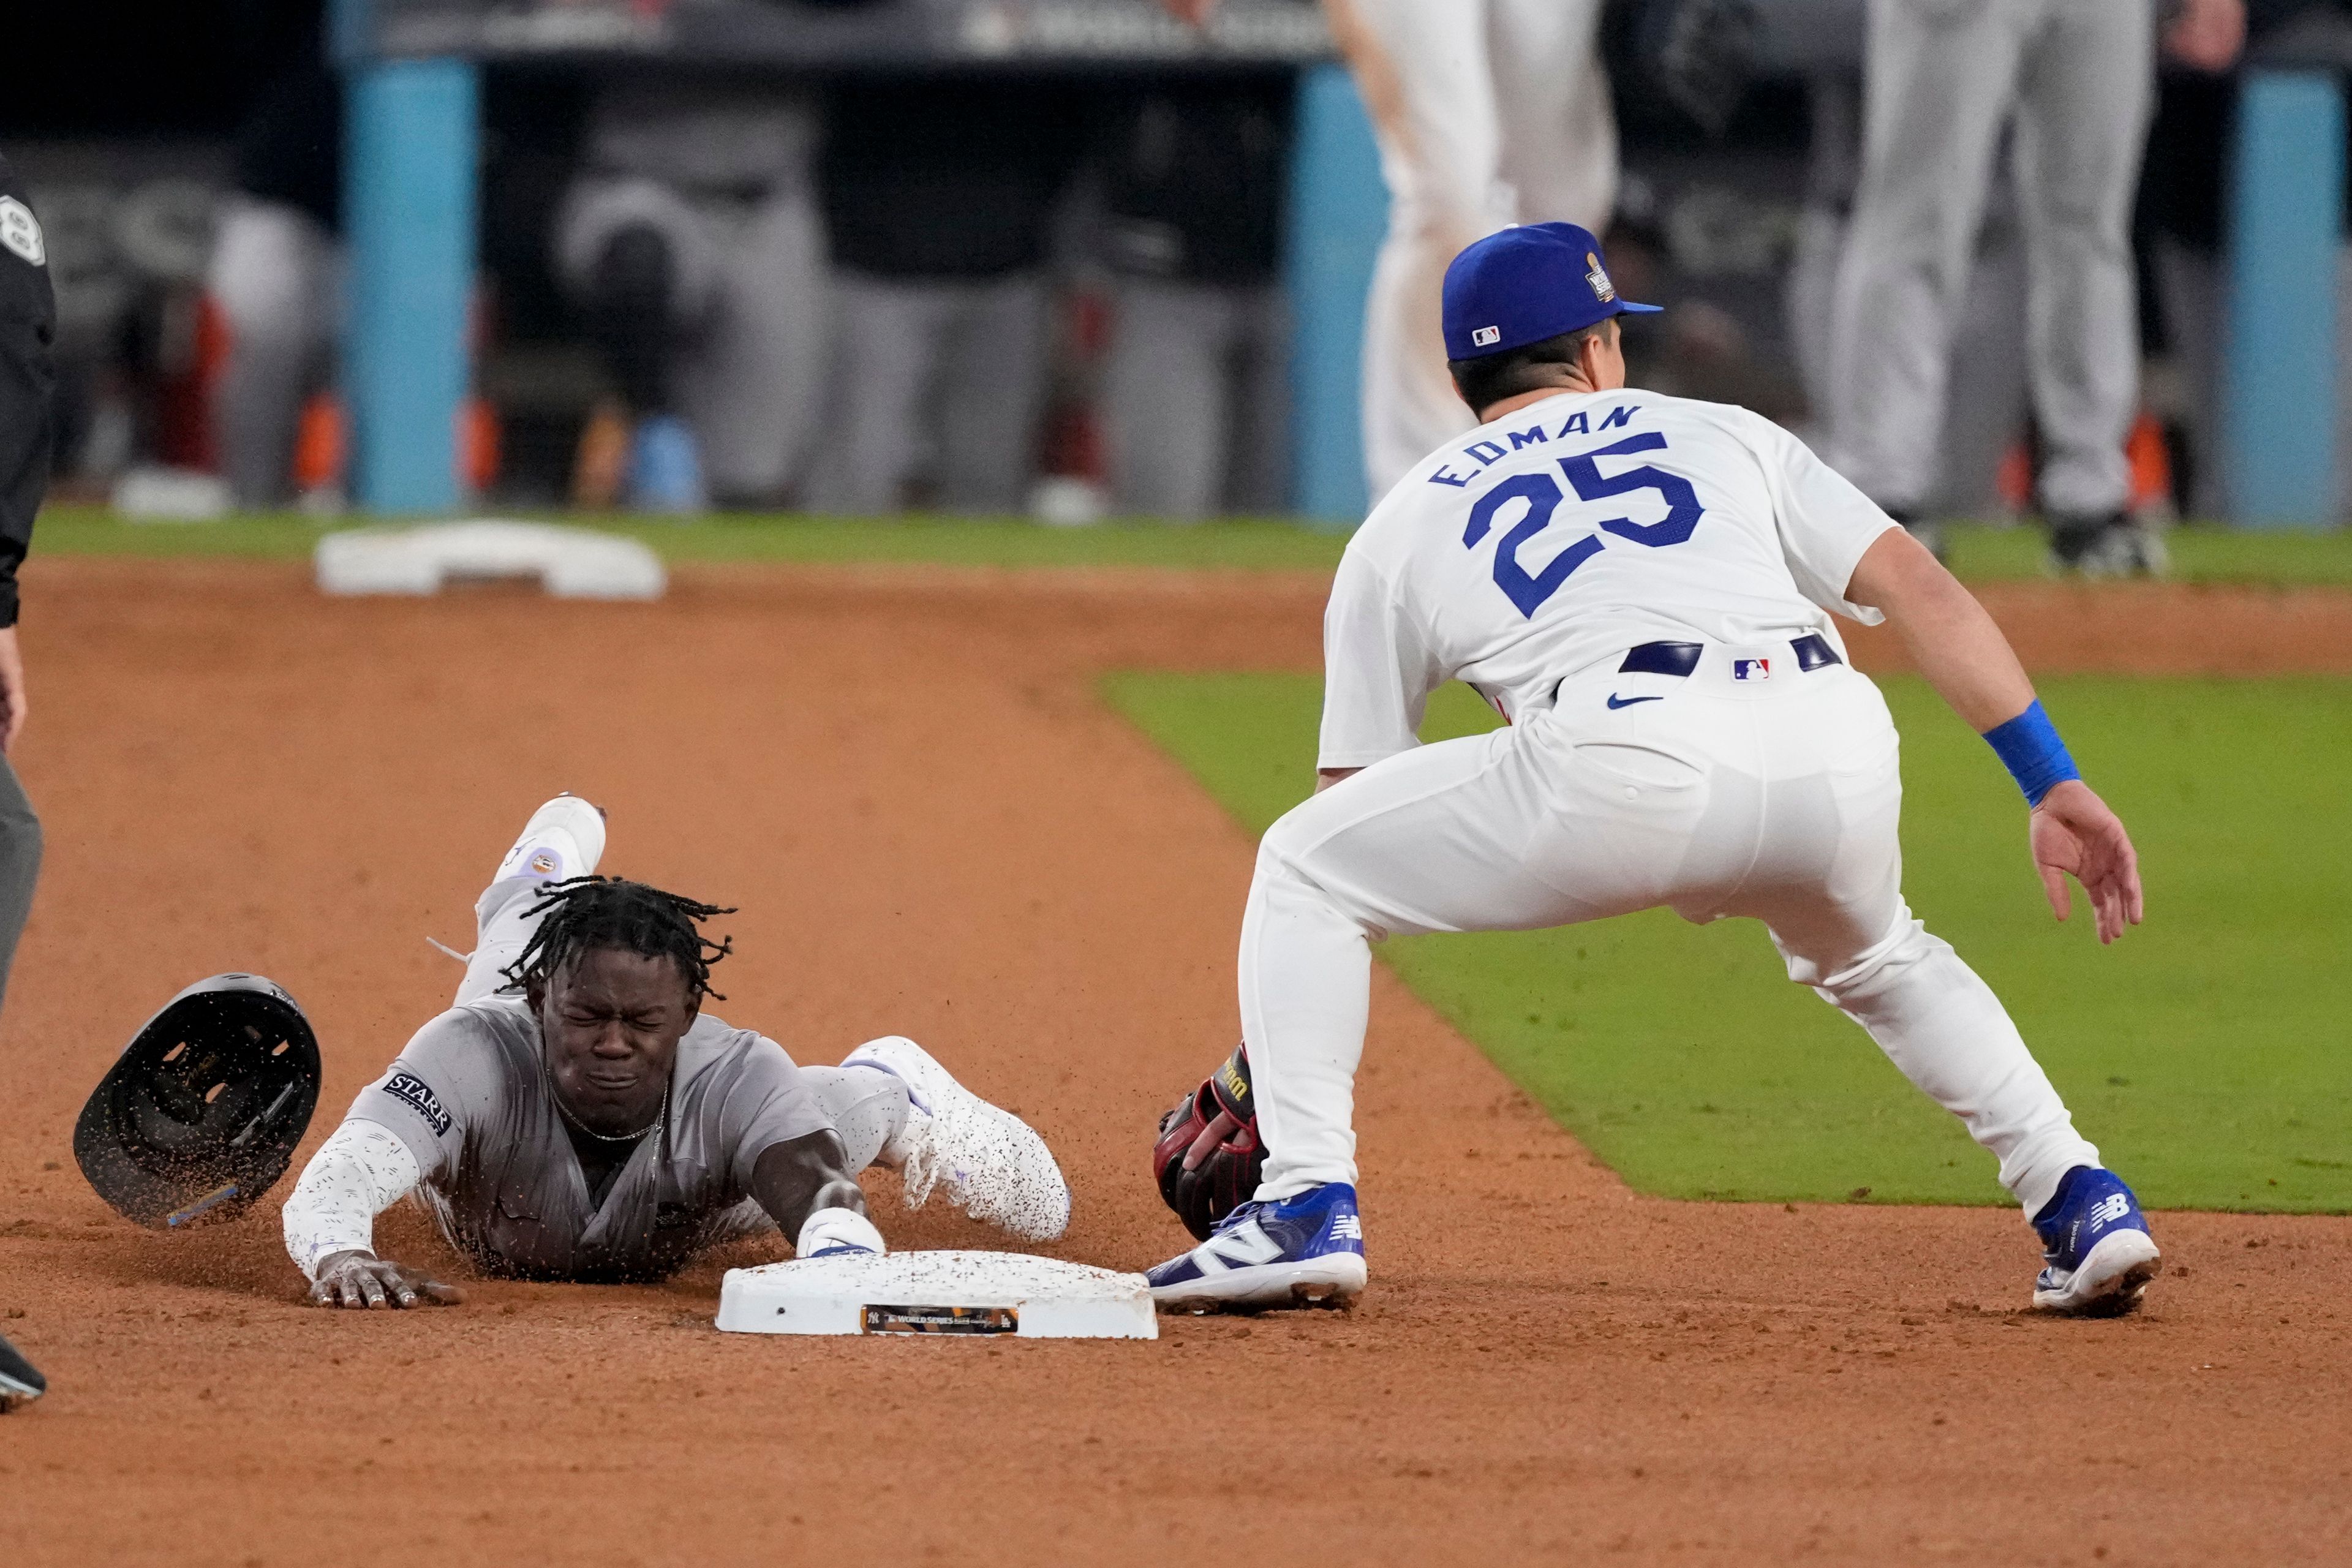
1524	285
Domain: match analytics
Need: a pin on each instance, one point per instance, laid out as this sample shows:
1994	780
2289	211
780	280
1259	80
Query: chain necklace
636	1137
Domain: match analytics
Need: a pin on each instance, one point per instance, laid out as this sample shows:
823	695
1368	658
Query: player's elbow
1902	577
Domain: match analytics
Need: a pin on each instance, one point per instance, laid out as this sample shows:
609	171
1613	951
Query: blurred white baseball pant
1489	112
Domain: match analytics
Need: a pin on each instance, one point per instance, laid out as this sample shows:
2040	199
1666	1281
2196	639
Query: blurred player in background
2072	80
1195	382
694	251
277	263
1489	112
27	327
940	196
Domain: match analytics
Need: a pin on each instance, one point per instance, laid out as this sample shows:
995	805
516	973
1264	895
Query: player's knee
1847	978
1284	848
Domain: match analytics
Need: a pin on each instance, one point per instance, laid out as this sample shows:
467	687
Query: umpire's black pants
20	864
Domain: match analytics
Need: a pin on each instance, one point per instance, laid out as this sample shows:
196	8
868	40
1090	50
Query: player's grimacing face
612	1020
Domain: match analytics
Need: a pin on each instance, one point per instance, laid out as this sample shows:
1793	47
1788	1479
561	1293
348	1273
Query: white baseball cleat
564	837
996	1166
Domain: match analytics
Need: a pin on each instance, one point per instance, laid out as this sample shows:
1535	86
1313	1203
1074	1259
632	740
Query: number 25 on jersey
1528	590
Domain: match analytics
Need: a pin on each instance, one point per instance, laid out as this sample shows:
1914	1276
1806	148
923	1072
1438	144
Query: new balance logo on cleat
1241	1247
2099	1255
1302	1251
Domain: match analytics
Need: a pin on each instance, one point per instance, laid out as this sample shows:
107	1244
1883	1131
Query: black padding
1813	652
200	1114
633	314
1662	658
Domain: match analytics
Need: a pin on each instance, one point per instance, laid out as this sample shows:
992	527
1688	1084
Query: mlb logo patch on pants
1751	669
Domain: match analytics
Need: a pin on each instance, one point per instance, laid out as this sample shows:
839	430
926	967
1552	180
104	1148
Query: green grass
2209	1054
1240	544
1979	554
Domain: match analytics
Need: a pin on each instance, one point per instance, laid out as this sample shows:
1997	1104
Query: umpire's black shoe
19	1381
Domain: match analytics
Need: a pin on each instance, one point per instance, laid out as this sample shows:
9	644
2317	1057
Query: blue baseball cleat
1302	1251
2095	1242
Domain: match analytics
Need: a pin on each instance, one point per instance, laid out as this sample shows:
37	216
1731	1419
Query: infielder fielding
1643	587
1488	112
577	1116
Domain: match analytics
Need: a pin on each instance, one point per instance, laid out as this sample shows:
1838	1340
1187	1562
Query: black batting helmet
199	1116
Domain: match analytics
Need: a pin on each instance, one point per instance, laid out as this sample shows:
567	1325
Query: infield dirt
932	827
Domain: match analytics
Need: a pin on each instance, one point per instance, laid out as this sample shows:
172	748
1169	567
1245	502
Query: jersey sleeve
768	1103
446	1079
1825	523
1377	670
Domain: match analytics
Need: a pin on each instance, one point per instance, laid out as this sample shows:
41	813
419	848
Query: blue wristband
2029	747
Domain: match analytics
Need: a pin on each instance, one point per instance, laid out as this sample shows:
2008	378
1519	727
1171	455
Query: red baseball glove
1208	1159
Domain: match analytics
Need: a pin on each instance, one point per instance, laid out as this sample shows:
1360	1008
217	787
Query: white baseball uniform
1488	113
1530	560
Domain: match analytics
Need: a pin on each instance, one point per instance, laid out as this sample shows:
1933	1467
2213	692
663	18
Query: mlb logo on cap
1524	285
1751	669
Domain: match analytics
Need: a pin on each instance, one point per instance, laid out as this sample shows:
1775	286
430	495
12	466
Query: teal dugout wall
2286	226
1338	213
410	148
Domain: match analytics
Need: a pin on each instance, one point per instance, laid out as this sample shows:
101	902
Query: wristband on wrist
834	1230
2029	747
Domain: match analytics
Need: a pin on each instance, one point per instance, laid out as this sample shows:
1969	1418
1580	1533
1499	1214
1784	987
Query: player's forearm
1950	638
359	1172
793	1181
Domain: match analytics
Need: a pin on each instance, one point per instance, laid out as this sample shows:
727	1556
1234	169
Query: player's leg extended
1551	97
2082	121
564	837
1829	884
753	380
941	1136
1937	85
1492	833
1422	66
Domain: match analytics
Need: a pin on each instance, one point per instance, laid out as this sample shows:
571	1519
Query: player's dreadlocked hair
611	911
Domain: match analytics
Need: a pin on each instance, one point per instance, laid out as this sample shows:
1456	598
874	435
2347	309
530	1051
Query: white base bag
947	1293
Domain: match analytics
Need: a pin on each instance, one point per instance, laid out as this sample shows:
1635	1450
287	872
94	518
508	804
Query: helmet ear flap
201	1113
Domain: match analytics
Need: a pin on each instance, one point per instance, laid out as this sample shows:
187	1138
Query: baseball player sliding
1643	587
576	1115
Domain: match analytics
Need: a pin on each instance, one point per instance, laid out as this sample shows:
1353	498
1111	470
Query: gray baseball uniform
1943	76
470	1097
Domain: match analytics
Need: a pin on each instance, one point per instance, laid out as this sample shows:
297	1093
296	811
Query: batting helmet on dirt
199	1116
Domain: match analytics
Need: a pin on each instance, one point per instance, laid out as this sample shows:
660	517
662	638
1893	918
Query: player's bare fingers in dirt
421	1289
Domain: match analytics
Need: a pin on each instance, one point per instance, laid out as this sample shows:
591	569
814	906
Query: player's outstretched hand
1196	12
363	1279
2073	834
